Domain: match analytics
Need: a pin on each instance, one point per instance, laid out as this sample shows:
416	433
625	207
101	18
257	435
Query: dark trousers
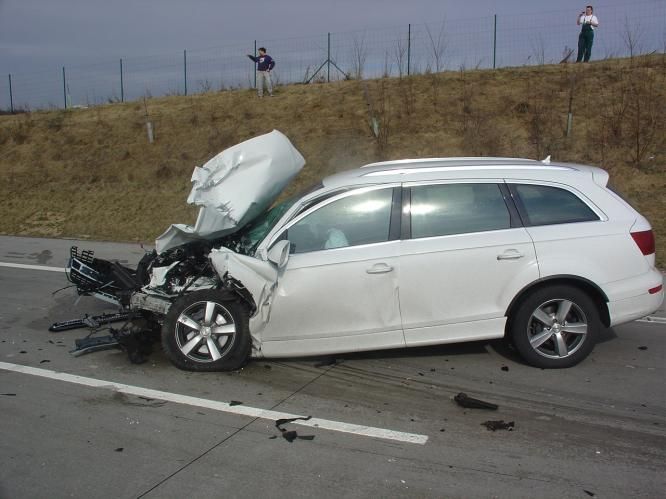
585	40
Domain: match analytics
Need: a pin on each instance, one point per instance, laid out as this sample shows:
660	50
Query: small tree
359	56
438	46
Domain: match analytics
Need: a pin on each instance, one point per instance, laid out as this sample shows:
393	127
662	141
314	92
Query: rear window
546	205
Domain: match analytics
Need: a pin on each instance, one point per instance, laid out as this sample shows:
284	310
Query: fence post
11	98
409	46
328	59
64	86
495	42
185	68
122	87
255	65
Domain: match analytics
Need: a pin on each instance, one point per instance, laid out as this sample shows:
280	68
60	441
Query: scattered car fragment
499	425
291	435
394	254
463	400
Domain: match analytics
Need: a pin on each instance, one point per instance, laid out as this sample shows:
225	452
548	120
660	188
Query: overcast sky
43	34
39	38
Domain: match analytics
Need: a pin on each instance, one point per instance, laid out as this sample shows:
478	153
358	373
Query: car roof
413	170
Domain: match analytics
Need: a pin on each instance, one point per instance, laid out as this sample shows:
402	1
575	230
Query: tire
207	331
555	327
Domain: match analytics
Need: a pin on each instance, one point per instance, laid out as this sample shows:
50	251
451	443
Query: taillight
645	241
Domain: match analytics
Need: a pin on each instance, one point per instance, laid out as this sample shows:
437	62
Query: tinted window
545	205
362	218
444	209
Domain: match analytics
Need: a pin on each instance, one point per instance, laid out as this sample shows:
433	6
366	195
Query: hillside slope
92	173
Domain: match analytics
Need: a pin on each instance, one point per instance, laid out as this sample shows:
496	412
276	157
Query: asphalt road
596	430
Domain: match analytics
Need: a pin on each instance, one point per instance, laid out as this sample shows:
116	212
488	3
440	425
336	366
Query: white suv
412	253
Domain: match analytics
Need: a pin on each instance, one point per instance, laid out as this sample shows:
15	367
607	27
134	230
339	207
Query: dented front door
339	290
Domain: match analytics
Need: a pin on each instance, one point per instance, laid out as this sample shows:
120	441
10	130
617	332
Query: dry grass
91	173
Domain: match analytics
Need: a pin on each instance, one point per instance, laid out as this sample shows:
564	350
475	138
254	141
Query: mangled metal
232	189
235	186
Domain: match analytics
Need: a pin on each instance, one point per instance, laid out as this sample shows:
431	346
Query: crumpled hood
235	187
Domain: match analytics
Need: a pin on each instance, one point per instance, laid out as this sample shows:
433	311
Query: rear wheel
206	331
555	327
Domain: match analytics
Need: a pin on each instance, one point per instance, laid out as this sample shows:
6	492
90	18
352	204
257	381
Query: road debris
87	321
471	403
498	425
291	435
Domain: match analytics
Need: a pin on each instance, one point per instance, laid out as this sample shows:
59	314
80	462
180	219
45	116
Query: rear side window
446	209
547	205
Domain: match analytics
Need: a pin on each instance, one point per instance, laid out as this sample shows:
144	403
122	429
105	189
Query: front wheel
206	331
555	327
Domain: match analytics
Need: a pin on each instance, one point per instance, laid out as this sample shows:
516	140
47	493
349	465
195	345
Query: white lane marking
32	267
654	319
243	410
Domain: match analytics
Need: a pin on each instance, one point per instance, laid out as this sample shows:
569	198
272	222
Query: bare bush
646	116
539	50
400	55
438	46
632	36
379	116
359	56
204	86
633	119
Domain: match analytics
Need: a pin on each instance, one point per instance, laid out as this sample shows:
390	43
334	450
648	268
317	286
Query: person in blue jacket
265	65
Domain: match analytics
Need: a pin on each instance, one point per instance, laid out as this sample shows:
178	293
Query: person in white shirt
589	21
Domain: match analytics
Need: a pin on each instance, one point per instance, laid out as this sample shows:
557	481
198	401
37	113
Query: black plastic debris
505	368
291	435
499	425
591	494
642	348
23	351
471	403
235	402
120	449
89	345
45	361
87	321
8	394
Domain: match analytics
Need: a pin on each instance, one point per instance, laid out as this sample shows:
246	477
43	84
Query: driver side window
360	218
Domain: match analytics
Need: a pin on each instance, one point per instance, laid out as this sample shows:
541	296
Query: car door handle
379	268
510	255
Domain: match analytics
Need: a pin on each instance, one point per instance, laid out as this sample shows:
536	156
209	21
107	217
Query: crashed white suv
395	254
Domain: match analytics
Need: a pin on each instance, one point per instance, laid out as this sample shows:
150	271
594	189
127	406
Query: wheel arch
593	291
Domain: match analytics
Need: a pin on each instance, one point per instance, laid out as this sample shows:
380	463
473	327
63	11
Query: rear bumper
630	300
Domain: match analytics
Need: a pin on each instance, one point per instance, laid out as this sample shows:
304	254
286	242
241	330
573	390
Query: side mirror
279	253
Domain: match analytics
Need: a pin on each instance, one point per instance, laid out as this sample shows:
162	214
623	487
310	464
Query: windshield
253	233
246	240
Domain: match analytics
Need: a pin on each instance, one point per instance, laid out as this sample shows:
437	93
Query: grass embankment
91	173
